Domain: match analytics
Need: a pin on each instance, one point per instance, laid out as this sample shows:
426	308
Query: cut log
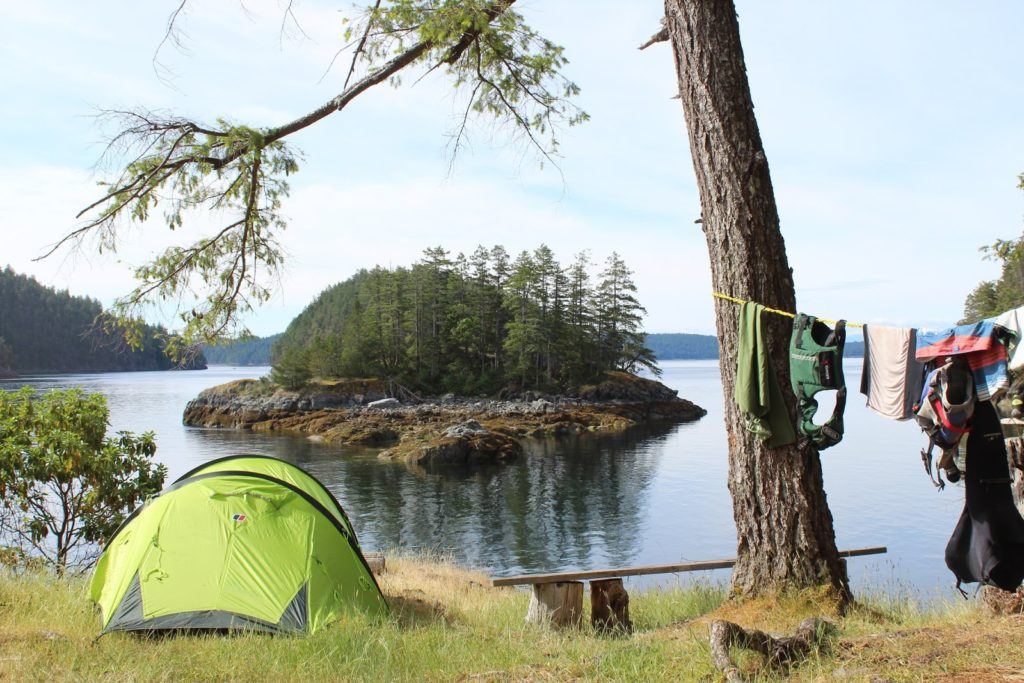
609	606
558	604
375	561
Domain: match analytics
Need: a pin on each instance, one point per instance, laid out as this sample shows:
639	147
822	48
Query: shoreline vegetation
447	623
436	430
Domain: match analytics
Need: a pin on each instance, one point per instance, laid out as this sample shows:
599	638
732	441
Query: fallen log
778	650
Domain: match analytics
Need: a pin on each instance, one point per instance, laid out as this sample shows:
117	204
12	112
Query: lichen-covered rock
467	428
622	386
245	402
477	447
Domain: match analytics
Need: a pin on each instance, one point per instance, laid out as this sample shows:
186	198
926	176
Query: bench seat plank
591	574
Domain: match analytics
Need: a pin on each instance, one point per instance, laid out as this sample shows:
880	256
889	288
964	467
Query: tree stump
609	606
558	604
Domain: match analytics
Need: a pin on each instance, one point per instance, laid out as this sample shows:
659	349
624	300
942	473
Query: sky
894	133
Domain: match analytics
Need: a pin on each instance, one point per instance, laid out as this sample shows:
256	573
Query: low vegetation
449	624
65	486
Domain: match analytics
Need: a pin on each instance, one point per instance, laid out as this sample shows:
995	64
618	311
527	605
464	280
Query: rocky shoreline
438	430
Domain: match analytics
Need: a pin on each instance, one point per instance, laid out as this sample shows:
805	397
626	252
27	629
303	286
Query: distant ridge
666	346
685	346
251	352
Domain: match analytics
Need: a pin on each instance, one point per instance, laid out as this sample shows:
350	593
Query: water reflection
654	495
574	502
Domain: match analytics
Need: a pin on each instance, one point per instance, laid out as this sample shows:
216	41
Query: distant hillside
46	330
254	351
682	346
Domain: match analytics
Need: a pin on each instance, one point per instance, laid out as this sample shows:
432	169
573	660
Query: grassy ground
450	625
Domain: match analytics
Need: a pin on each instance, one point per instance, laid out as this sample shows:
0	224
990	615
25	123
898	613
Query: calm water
653	496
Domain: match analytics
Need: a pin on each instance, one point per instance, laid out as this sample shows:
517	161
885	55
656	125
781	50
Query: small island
455	359
436	430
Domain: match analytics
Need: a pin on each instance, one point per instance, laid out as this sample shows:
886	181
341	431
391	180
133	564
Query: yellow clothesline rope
733	299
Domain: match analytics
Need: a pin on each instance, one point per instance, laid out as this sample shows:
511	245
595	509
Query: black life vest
816	365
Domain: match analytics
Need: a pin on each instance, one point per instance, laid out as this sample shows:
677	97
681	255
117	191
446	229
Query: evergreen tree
291	370
6	356
620	339
580	362
523	339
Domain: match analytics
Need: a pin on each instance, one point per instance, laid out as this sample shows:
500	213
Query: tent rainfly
244	542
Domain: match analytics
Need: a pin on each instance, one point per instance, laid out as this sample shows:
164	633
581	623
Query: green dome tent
243	542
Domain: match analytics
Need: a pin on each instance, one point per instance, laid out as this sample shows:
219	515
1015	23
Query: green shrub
65	486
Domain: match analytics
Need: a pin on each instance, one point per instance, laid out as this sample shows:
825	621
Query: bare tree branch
361	45
171	35
289	14
660	37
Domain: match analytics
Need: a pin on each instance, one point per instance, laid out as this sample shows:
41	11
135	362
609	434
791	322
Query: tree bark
783	523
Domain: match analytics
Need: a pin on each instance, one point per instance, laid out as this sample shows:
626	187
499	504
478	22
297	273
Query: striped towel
982	346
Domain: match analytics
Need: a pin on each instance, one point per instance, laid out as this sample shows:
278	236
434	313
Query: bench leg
558	604
609	606
375	561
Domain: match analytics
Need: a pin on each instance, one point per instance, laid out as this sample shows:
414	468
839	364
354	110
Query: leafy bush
65	486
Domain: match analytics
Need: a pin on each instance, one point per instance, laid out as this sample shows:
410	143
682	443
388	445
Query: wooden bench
557	598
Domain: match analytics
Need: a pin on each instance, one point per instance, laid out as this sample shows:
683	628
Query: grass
449	624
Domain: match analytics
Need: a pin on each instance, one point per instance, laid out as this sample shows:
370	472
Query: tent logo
238	518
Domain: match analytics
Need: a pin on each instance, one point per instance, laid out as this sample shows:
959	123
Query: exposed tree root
778	650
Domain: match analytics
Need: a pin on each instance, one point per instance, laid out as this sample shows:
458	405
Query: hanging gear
944	414
987	545
816	365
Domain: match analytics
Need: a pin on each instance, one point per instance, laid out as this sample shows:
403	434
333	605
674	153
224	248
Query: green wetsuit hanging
757	391
816	365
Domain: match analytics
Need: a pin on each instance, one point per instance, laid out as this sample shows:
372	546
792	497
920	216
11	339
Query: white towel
892	378
1012	322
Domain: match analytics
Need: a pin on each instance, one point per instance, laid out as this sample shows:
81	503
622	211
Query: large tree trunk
784	527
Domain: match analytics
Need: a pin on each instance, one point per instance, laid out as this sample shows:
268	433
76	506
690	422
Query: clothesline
733	299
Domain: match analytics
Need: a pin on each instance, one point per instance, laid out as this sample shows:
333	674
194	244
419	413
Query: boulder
467	428
384	403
